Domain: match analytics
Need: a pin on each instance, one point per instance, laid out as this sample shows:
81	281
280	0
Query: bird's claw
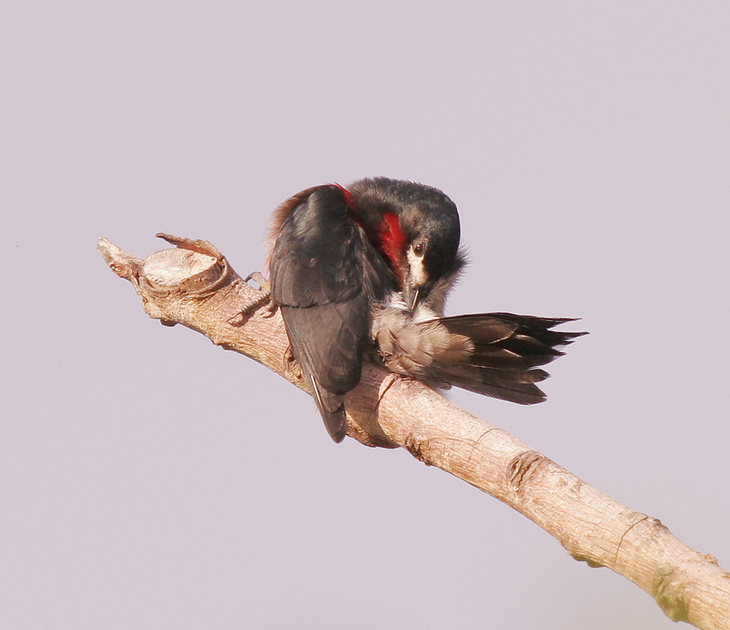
264	298
264	284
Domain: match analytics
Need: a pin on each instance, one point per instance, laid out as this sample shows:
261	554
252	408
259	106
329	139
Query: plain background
150	480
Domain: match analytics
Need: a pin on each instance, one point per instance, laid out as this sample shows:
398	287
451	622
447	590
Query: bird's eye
419	248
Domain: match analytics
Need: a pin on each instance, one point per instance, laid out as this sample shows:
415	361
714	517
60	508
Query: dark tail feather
511	385
507	350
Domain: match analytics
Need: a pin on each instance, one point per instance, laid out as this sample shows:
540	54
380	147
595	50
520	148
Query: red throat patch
392	241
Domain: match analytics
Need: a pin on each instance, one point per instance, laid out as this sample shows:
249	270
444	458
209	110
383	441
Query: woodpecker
364	271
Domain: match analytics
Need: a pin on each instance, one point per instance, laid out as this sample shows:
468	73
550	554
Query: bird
361	273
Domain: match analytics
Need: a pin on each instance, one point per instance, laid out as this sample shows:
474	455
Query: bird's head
417	231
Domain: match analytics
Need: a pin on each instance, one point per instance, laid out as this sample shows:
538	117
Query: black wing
322	277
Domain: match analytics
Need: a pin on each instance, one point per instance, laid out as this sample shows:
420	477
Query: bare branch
193	285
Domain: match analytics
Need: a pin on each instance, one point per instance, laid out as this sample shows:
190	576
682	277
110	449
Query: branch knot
522	466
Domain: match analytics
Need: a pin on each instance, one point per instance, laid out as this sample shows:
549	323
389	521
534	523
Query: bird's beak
411	295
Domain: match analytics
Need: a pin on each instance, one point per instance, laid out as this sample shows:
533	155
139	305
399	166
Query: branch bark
194	285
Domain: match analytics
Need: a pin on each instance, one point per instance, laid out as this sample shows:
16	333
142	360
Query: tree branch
194	285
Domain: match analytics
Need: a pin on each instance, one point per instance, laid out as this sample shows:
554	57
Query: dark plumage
369	267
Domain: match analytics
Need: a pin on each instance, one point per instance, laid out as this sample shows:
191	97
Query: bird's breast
413	344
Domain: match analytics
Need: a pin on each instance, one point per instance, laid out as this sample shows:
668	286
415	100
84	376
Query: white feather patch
417	271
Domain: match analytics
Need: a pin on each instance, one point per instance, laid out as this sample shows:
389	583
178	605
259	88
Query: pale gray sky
150	480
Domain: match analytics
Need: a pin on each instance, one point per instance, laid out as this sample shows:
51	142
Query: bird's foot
263	298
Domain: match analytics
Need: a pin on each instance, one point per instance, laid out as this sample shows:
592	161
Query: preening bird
364	271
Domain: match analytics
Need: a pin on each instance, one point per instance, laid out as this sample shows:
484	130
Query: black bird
365	270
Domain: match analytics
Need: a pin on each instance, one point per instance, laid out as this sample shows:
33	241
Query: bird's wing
321	278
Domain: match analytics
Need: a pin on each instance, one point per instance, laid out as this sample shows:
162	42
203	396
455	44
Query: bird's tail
507	350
